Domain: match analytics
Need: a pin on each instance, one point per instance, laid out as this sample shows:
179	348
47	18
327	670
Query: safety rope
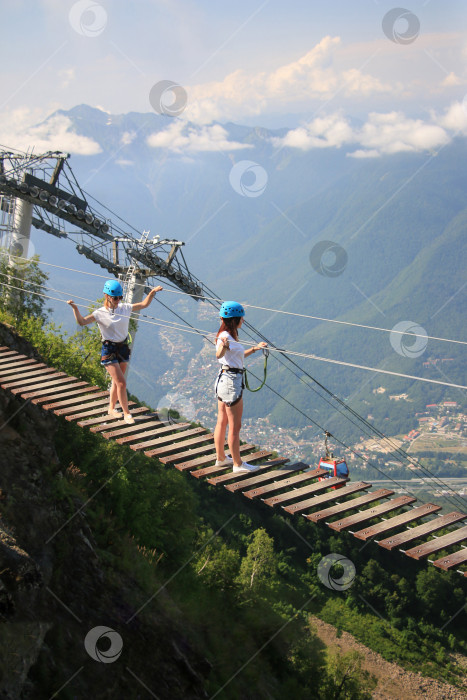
265	373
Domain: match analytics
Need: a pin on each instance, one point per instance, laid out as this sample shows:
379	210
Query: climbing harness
112	351
265	373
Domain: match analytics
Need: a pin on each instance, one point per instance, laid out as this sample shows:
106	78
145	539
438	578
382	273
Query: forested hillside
396	224
218	591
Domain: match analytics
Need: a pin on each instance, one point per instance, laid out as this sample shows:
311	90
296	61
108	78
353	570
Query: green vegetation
243	579
75	354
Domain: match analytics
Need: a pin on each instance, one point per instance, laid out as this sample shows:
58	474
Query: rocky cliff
57	587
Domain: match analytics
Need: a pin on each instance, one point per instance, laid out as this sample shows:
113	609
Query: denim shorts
229	387
114	353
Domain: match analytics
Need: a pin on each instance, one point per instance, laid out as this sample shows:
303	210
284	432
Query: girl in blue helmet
229	386
113	319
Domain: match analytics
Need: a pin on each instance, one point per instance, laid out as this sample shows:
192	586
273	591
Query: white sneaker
224	462
245	467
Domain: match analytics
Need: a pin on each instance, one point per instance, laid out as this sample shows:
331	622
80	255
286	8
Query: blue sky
268	62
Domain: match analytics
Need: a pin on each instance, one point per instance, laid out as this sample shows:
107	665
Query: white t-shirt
234	356
113	325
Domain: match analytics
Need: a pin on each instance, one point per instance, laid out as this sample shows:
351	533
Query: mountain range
373	241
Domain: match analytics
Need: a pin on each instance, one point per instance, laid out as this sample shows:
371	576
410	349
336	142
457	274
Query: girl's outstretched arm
250	351
80	319
145	303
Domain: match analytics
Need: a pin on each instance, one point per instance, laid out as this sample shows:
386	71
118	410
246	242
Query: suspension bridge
42	191
393	522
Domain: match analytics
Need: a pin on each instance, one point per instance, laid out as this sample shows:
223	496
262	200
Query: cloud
323	132
452	80
181	138
127	138
455	118
314	76
396	133
53	134
67	76
314	71
388	133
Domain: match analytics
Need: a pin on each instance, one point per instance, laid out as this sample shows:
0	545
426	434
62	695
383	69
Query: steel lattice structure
60	207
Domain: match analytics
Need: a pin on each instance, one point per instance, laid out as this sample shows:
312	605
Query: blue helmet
113	288
231	309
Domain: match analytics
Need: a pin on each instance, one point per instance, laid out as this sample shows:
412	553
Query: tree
258	567
22	288
218	564
346	680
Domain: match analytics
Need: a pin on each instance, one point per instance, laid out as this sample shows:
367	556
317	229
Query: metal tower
42	191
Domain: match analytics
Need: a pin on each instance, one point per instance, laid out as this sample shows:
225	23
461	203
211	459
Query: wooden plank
141	424
261	454
16	360
267	476
63	385
74	400
100	411
422	550
65	394
208	451
6	356
32	384
349	505
305	490
370	513
93	412
206	471
98	425
11	368
414	533
326	497
35	384
263	468
89	403
106	422
162	429
452	560
168	438
402	519
284	483
32	372
176	445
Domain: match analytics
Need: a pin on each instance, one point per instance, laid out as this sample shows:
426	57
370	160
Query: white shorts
229	387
